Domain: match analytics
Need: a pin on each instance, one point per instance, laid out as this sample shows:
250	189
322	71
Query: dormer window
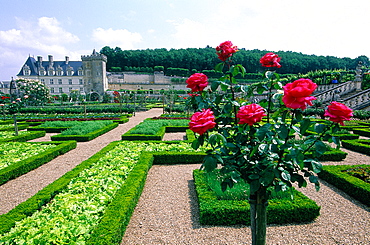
80	71
51	71
70	71
26	70
42	71
59	71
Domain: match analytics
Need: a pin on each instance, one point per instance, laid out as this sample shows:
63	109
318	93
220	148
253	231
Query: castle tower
94	75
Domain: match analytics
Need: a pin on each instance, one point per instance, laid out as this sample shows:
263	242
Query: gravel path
167	212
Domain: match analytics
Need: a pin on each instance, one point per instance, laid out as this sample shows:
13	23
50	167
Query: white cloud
46	36
116	38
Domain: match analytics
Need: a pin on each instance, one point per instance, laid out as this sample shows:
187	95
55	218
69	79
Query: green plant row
21	126
26	165
85	137
23	137
355	187
362	132
76	109
230	212
359	145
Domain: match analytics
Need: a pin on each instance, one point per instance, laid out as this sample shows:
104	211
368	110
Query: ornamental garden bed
18	158
92	203
10	127
359	145
280	210
339	176
85	131
154	129
23	136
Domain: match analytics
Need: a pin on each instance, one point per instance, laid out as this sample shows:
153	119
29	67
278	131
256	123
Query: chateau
87	76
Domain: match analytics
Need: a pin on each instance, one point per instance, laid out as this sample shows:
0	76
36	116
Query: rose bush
256	149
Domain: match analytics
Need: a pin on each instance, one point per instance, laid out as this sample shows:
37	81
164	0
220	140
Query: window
26	70
81	90
52	90
51	81
70	89
43	80
81	82
70	81
80	72
60	81
60	90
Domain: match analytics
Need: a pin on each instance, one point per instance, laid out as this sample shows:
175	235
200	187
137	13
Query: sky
74	28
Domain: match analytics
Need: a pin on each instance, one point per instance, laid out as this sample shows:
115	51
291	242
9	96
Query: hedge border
358	145
20	126
25	137
85	137
351	185
19	168
231	212
160	133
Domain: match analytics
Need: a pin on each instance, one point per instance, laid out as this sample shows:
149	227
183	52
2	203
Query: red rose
250	114
297	94
197	82
338	112
201	121
270	60
226	50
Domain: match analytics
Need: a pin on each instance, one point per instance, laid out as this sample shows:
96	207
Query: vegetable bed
91	204
17	158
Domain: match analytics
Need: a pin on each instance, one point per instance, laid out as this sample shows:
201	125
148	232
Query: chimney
39	60
50	60
67	59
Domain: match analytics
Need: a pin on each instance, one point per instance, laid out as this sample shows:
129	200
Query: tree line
199	59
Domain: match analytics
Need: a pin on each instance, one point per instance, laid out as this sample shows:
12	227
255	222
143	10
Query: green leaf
316	166
219	67
195	144
209	163
305	124
254	186
262	131
214	85
319	128
336	141
320	147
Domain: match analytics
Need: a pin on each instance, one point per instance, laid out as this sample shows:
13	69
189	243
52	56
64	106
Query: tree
38	93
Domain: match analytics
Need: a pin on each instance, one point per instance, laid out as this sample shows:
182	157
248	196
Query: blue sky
75	28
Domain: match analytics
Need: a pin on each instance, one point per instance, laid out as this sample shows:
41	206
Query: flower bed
21	157
92	203
353	186
230	212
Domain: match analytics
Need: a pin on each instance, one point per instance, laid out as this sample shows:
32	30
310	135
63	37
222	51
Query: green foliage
37	92
230	212
86	127
353	186
359	145
206	59
362	172
151	127
23	136
32	156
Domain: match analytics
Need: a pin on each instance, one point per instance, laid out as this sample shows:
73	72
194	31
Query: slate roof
32	63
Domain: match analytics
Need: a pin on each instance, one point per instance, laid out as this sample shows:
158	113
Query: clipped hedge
362	131
26	165
355	187
359	145
85	137
160	133
230	212
21	126
25	137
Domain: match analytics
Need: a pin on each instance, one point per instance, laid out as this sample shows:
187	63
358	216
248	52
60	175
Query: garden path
167	213
20	189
